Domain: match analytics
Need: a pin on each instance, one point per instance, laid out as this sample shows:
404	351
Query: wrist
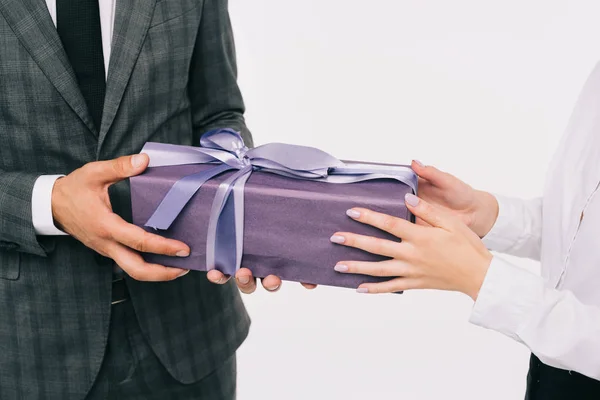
476	278
56	190
486	213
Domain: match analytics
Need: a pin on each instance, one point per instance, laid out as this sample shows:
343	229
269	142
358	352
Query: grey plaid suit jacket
172	77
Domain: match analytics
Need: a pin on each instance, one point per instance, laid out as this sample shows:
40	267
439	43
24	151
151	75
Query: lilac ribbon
226	150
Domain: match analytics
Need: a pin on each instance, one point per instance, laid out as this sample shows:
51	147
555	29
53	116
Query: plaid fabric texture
132	371
172	77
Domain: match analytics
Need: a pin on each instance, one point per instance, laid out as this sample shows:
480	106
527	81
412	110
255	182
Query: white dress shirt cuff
507	298
503	234
41	206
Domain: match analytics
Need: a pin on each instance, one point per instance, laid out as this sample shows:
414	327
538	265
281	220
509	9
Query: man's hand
81	207
247	283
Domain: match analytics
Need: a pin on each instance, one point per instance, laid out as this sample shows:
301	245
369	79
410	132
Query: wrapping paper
287	221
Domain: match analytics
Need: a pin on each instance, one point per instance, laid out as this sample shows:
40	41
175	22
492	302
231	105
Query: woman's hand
443	255
477	209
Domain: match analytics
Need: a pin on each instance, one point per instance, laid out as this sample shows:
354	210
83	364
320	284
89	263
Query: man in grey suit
83	85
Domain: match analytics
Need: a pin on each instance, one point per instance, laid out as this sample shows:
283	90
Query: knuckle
416	273
139	244
390	223
434	218
135	275
350	240
94	243
380	270
375	289
103	232
143	241
466	219
426	208
379	245
366	215
371	244
118	167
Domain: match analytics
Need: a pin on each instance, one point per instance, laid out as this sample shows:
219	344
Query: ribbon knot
245	159
225	149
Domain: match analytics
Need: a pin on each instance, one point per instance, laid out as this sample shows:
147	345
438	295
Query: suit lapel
132	21
32	24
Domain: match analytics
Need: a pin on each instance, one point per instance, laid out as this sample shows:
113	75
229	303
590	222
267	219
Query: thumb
428	213
434	216
432	174
118	169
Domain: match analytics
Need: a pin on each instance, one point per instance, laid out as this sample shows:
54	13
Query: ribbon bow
225	149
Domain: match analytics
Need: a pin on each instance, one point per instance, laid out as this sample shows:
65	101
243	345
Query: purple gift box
271	209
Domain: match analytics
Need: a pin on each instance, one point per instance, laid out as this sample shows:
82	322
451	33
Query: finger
138	239
135	266
433	175
419	221
387	268
112	171
398	227
245	281
391	286
370	244
217	277
271	283
309	286
430	214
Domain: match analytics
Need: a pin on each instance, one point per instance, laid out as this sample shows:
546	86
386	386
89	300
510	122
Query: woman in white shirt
556	315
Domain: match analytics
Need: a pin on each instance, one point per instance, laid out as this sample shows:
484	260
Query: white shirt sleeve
560	330
41	206
518	228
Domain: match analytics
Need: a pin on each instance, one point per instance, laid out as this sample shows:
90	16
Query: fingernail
411	200
183	273
341	268
337	239
273	288
419	163
182	253
362	290
353	213
137	160
244	279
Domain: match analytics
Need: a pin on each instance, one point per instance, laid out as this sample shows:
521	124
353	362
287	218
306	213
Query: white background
482	89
